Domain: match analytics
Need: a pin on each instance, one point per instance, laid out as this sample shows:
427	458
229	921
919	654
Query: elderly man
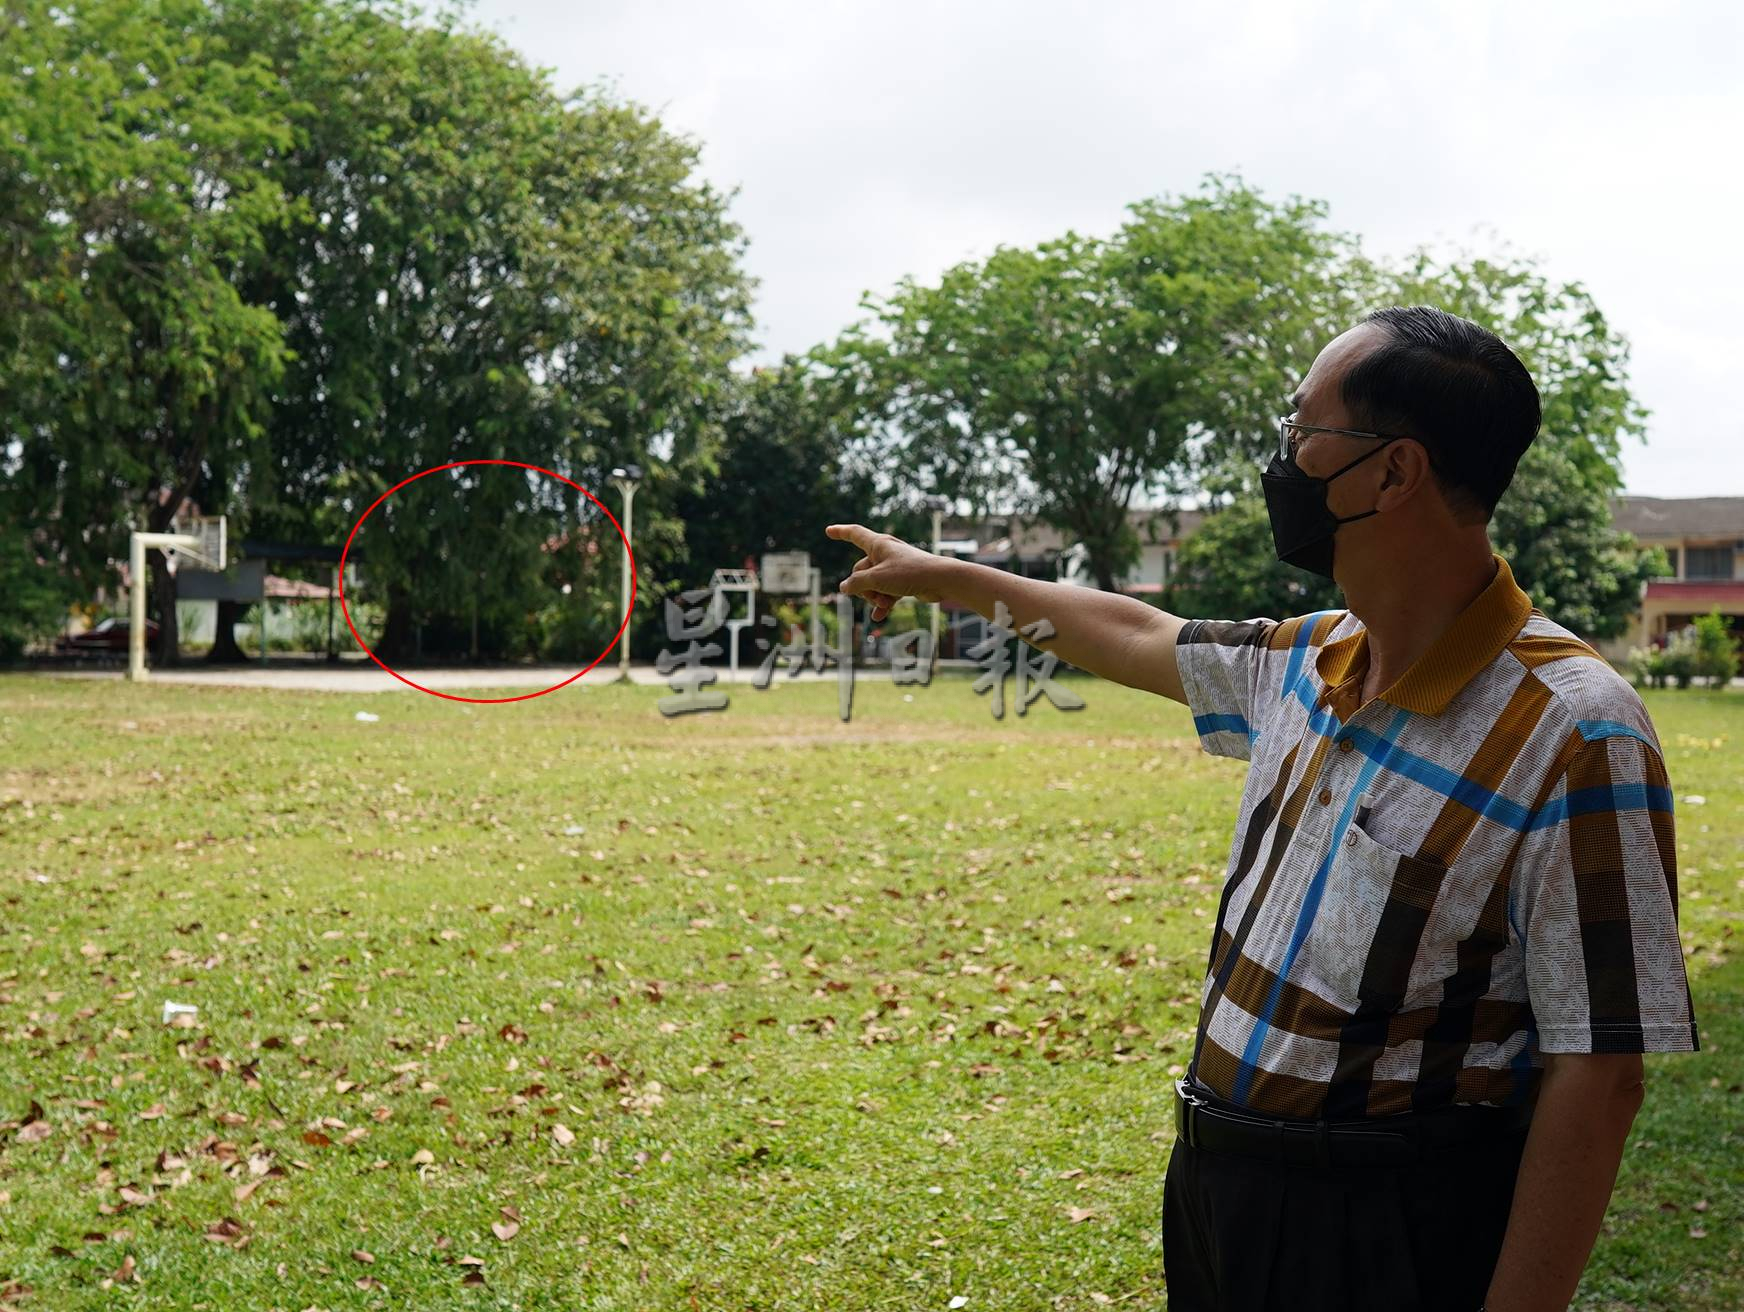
1448	929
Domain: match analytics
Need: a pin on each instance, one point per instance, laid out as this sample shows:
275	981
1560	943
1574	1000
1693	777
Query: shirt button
1350	838
1325	797
1346	745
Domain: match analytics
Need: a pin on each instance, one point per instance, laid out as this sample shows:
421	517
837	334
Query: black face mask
1303	526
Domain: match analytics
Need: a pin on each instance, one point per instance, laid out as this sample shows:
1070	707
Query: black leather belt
1383	1141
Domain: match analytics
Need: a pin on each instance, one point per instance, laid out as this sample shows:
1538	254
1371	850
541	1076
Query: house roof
296	589
1680	517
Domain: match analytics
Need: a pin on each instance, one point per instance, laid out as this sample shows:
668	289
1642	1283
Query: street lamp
938	505
625	478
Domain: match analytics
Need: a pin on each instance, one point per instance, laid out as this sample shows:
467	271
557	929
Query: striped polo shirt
1427	892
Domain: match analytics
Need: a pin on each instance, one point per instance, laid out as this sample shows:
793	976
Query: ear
1407	474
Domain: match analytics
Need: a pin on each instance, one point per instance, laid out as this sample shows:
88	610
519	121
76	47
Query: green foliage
134	185
1229	569
36	593
1063	381
278	256
786	467
482	269
1716	648
1681	658
1554	524
1703	650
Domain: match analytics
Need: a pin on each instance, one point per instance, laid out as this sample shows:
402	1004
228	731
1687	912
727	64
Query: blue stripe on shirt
1310	908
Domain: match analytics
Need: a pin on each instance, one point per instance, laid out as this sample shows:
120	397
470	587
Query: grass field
565	1004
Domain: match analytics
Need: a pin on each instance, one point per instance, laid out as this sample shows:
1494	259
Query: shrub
1716	650
1681	658
1645	668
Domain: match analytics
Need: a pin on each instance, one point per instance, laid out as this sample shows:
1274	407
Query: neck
1405	611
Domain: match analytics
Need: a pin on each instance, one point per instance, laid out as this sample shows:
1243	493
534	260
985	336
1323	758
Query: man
1448	928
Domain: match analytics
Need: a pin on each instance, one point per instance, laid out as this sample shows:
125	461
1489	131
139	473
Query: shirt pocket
1366	946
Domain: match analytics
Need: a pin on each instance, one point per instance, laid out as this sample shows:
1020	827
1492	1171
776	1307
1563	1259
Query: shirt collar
1475	638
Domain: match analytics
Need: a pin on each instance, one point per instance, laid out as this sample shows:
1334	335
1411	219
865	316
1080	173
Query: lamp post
938	505
625	478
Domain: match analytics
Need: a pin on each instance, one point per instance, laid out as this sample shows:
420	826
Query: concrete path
364	676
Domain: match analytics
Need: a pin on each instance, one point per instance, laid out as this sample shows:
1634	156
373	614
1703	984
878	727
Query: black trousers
1246	1235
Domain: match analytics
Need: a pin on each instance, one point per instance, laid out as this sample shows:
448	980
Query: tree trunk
225	650
163	594
397	640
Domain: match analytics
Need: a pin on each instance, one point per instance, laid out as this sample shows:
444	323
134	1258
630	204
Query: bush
1681	658
1716	651
36	594
1645	668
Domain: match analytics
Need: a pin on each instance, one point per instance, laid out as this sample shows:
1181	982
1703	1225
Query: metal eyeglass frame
1287	449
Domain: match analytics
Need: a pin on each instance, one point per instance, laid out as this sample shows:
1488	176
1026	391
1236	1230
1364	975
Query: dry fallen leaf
505	1230
228	1231
563	1135
361	1255
152	1112
1077	1214
423	1157
242	1191
35	1132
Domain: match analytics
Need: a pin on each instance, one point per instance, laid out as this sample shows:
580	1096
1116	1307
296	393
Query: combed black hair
1454	387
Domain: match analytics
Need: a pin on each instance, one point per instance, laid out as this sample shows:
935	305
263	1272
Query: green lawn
806	1015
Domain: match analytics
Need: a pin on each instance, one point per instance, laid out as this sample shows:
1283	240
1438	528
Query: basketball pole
136	602
136	547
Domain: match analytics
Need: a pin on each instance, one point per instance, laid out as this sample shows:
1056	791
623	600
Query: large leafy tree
1063	381
1554	523
134	183
484	269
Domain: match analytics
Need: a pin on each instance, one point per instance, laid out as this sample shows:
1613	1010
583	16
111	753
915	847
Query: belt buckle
1185	1106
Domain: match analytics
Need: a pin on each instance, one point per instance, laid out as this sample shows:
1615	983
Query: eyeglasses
1292	434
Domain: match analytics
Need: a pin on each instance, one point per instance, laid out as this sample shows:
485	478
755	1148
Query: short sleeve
1596	907
1220	663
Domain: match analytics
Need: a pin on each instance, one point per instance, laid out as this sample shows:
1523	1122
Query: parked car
110	635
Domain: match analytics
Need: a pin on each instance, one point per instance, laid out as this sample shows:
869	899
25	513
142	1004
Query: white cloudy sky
872	140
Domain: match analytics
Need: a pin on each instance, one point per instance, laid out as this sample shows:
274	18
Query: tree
784	470
1554	523
36	595
1069	378
482	270
133	185
1228	569
1716	649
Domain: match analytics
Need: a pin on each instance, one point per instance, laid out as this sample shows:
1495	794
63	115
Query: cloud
872	142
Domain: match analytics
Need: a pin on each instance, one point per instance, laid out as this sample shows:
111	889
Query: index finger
858	534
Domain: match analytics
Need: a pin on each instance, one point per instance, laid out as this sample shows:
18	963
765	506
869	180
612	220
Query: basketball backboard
207	545
785	571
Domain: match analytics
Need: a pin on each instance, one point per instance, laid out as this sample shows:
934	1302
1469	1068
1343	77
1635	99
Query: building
1703	538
